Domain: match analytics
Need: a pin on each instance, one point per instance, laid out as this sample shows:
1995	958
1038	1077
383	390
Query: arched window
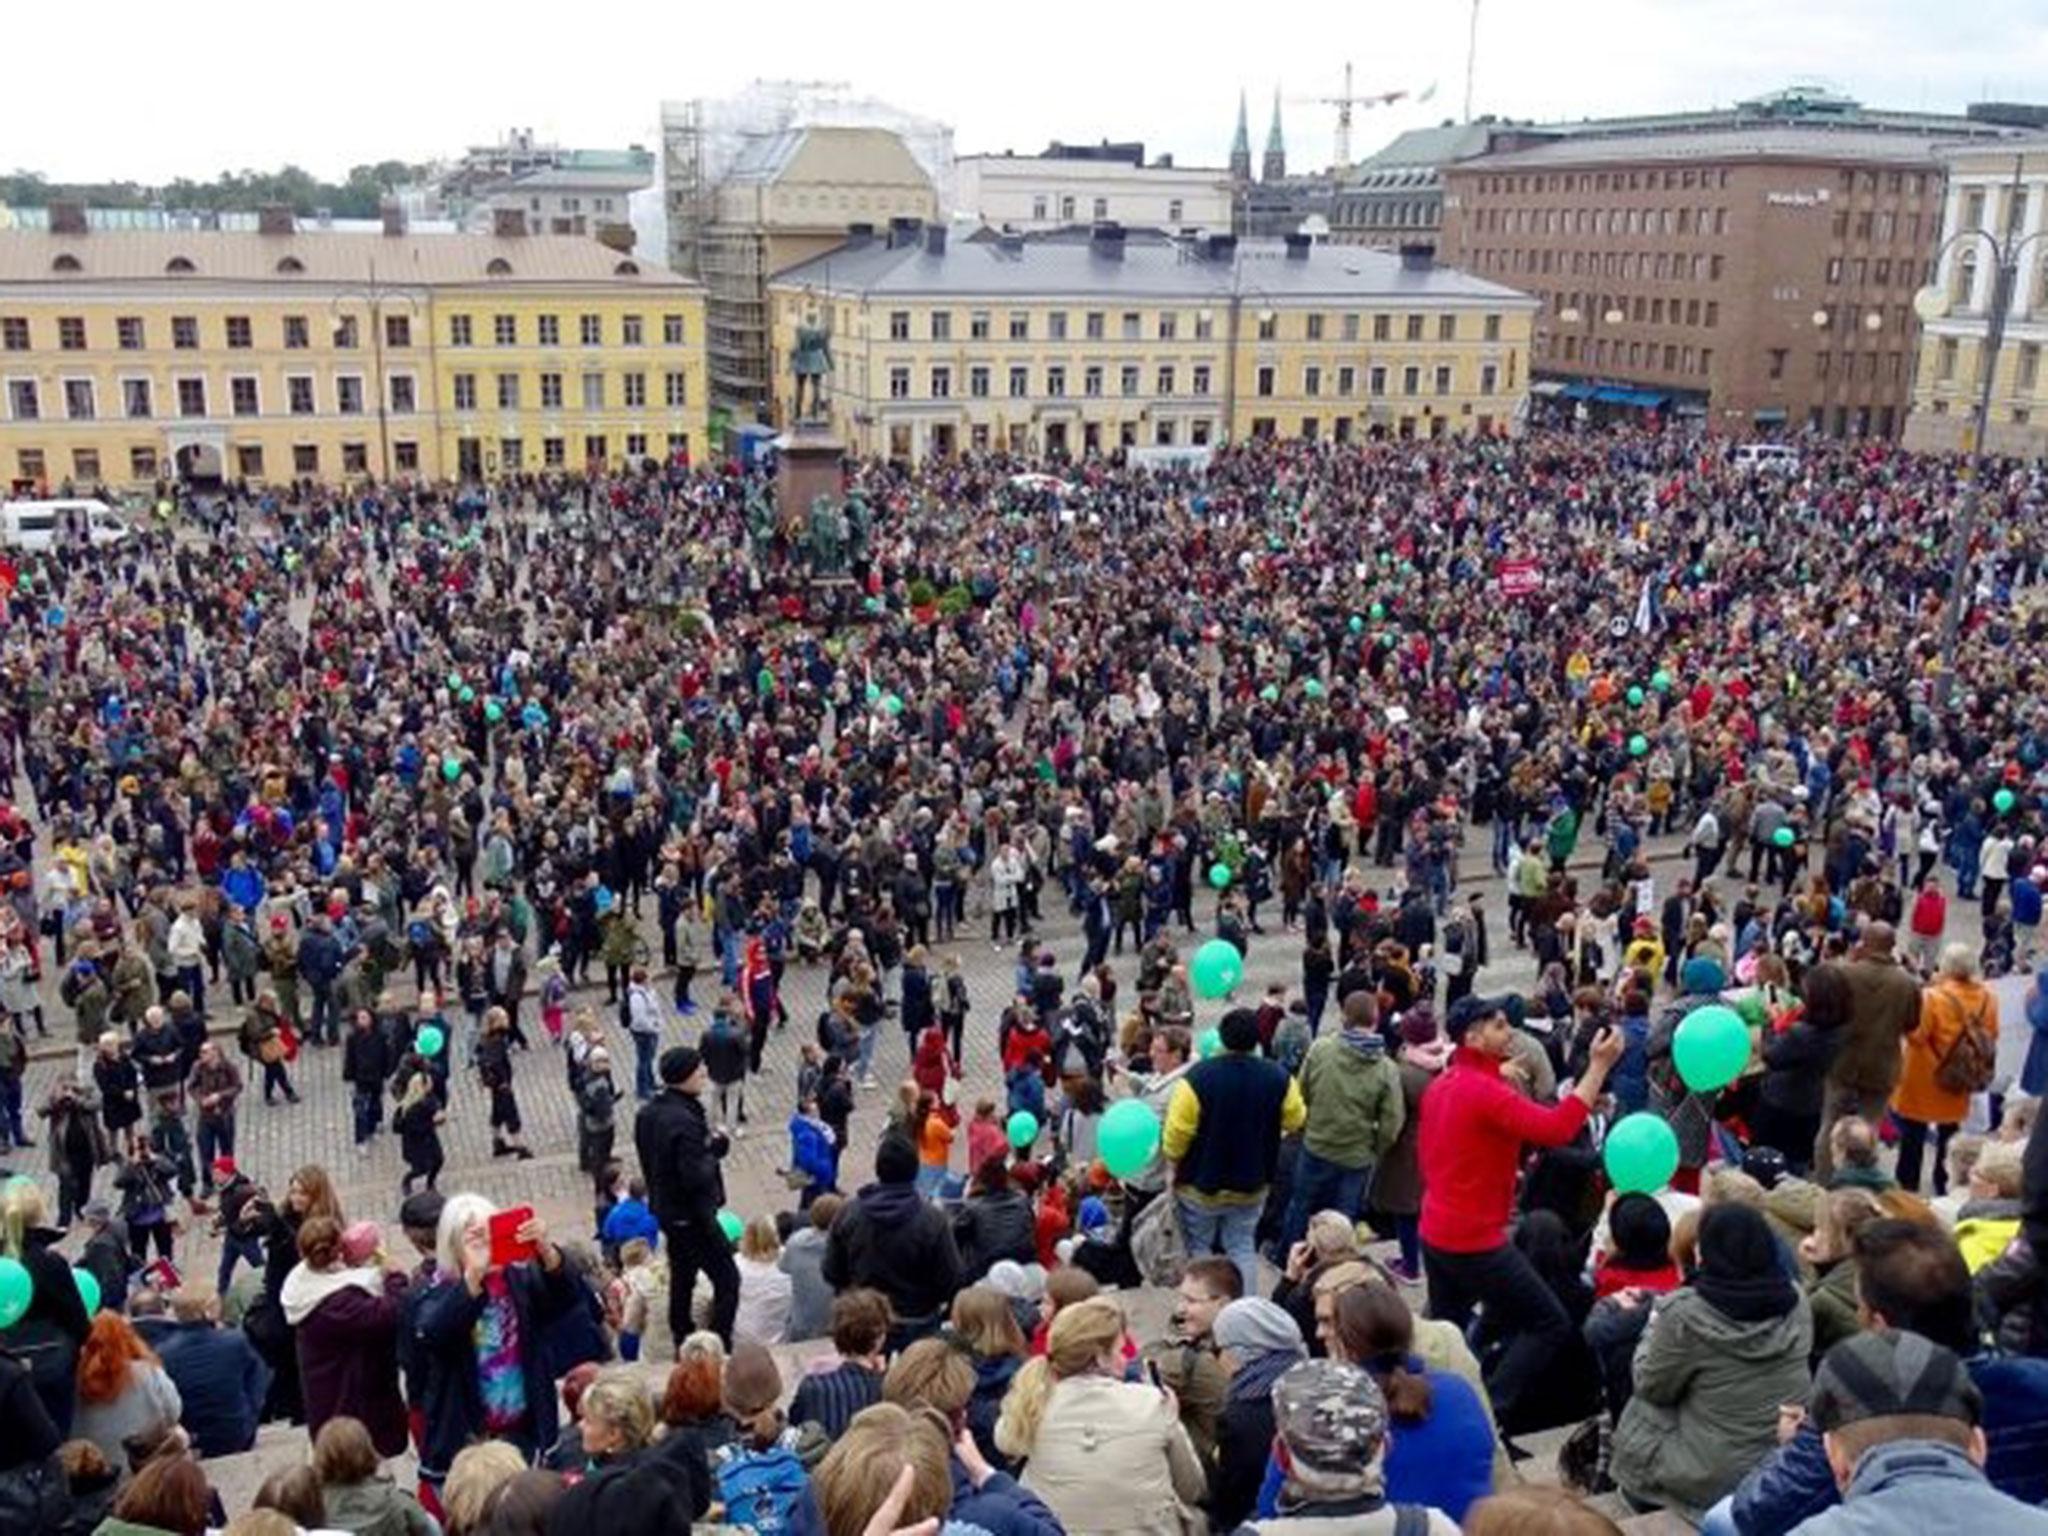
66	263
291	265
179	264
626	269
499	267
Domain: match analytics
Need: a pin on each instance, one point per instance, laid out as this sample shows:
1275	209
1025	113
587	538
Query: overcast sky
148	91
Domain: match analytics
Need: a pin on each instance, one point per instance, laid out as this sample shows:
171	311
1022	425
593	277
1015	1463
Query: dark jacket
679	1156
365	1060
891	1238
991	1227
348	1359
1796	1068
443	1342
320	957
1794	1482
220	1379
1001	1506
642	1492
1237	1139
725	1052
47	1337
1884	1008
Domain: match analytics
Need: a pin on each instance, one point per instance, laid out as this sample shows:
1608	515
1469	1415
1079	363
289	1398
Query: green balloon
467	695
1022	1129
873	693
1313	688
1127	1138
16	1291
892	703
766	681
88	1285
1357	625
1784	837
493	711
1635	696
1661	681
1217	968
1210	1043
1638	745
1641	1154
1219	875
451	770
1710	1048
430	1040
1270	693
454	679
730	1224
1379	610
2004	801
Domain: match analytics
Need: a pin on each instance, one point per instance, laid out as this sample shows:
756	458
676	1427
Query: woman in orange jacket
1955	999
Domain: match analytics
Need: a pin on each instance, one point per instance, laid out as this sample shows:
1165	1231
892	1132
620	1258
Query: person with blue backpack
762	1476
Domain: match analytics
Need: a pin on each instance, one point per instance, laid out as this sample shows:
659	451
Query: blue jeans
369	1107
322	1025
1229	1229
10	1107
864	1051
1320	1185
1720	1519
645	1043
244	1250
216	1139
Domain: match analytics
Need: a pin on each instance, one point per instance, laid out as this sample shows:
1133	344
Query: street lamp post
1931	303
373	296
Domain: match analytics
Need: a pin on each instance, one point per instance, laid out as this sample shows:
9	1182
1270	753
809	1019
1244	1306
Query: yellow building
1084	345
1985	215
126	356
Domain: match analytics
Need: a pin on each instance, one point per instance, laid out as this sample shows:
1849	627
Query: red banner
1518	578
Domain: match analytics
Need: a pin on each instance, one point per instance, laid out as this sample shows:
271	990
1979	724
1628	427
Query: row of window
1602	351
1712	176
1166	380
507	390
1167	326
239	332
1601	221
1387	213
2026	365
1042	204
1642	309
1639	266
248	459
138	396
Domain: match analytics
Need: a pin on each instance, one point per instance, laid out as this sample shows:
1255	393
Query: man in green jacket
1355	1113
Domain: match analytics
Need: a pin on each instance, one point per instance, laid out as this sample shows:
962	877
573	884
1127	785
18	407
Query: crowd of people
408	776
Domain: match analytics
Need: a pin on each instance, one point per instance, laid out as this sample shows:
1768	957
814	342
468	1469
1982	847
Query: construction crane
1344	104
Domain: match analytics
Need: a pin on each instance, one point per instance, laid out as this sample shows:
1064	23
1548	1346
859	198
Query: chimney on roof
935	239
903	230
393	214
67	216
274	219
858	235
1010	243
508	223
1107	240
1417	256
1298	245
1222	247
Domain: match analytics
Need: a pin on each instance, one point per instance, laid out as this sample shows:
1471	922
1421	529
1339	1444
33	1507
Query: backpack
1158	1247
1968	1064
761	1490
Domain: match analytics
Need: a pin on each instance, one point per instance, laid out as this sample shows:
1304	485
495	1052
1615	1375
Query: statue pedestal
808	466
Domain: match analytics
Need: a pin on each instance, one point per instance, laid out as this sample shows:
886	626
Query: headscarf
1742	1270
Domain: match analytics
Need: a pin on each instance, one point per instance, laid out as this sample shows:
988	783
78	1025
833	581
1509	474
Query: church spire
1275	167
1241	145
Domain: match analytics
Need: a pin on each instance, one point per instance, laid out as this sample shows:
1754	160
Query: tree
357	197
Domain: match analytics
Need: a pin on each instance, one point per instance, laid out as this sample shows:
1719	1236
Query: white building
559	191
1084	184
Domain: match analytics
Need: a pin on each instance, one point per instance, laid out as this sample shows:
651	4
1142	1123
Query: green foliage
955	600
922	593
355	197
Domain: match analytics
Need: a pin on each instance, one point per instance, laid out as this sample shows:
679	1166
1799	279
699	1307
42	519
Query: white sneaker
869	1082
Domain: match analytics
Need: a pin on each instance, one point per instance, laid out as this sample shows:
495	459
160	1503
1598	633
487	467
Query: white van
40	525
1778	457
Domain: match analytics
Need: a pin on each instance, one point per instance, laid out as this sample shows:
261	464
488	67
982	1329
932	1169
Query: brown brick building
1753	275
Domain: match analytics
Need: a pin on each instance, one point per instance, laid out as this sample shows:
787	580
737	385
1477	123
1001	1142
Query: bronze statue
811	359
828	528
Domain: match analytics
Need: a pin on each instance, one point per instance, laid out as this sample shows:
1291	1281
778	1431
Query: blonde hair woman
1107	1456
765	1291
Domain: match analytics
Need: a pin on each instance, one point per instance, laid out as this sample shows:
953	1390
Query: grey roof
1772	142
1148	269
1424	147
765	156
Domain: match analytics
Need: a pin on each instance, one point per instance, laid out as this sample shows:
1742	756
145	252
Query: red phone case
505	1245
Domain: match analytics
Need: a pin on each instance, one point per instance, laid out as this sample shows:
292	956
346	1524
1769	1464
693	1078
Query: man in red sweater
1475	1123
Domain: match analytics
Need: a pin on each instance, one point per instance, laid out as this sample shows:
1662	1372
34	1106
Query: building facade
1088	184
1395	197
133	357
788	197
1065	347
1997	205
1752	269
559	191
